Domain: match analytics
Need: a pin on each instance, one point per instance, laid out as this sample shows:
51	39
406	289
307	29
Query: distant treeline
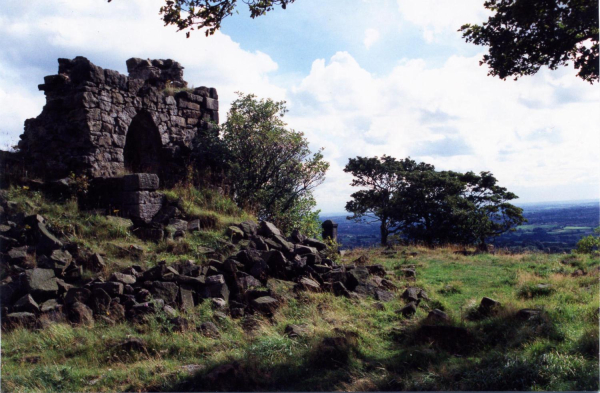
550	228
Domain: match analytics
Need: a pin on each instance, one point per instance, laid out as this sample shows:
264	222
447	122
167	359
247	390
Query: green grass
382	351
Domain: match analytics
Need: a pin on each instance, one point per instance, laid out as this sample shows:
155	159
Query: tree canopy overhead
198	14
427	205
524	35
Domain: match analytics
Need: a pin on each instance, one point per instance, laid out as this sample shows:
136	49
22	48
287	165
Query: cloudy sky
361	77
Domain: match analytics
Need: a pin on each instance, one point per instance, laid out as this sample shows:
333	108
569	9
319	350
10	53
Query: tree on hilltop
430	206
524	35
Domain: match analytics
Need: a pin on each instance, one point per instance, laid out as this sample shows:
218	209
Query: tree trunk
384	232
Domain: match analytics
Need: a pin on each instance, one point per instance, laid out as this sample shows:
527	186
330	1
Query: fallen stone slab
41	283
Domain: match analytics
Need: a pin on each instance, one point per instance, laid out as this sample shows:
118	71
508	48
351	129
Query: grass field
375	348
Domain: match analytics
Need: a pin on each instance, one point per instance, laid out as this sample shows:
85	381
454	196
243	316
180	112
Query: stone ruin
100	123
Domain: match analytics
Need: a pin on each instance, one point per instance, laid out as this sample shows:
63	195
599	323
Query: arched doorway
142	145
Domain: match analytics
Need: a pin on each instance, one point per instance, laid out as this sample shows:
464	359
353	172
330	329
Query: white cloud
455	117
438	17
371	37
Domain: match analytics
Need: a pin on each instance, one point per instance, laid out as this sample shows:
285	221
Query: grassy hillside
343	343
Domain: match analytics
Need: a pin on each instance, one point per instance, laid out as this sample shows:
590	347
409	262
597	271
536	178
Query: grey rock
113	288
41	283
296	330
265	304
80	314
267	229
123	278
209	329
26	304
74	295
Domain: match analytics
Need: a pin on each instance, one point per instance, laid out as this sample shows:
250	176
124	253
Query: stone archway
143	145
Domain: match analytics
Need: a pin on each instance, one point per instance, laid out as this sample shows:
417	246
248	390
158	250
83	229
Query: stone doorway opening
142	145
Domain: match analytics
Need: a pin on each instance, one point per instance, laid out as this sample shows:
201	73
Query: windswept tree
524	35
382	180
271	168
430	206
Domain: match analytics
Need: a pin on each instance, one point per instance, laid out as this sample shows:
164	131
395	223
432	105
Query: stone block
141	182
212	104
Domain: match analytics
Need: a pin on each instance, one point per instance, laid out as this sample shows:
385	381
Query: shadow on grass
481	355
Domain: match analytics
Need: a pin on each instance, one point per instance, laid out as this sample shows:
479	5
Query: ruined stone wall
99	122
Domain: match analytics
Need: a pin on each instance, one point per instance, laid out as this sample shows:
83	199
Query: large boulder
164	290
41	283
265	304
267	229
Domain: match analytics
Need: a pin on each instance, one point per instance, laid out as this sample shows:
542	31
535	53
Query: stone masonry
99	122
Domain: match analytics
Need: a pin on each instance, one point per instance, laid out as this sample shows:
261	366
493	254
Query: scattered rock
409	310
209	329
528	313
296	330
132	344
437	316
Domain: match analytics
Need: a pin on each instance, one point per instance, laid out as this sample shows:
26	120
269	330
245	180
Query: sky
360	78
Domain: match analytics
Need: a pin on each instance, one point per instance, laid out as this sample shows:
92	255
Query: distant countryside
553	227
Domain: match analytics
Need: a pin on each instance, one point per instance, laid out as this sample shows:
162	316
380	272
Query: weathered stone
268	229
235	234
307	284
409	273
25	319
249	228
132	344
140	182
528	313
18	255
384	296
329	230
95	263
46	242
320	246
209	329
26	304
41	283
265	304
80	314
62	259
74	295
409	310
218	303
186	298
339	289
123	278
164	290
49	306
488	304
437	316
412	294
296	330
100	301
113	288
248	282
